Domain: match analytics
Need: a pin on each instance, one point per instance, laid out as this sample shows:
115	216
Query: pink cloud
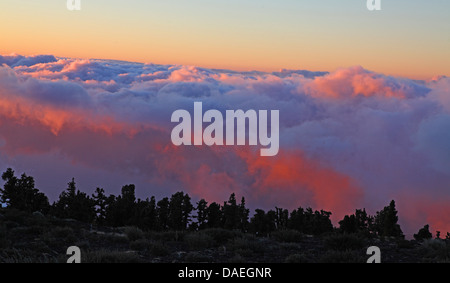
349	139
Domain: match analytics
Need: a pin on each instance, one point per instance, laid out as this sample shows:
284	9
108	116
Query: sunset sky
363	97
407	38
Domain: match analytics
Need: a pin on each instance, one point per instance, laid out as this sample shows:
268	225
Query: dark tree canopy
178	213
20	193
360	222
385	222
424	233
74	204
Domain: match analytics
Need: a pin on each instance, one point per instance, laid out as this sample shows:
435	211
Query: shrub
114	238
62	232
37	219
256	245
133	233
83	245
436	250
155	248
219	235
15	215
343	242
198	241
405	244
288	236
60	235
26	256
140	245
158	249
36	248
166	236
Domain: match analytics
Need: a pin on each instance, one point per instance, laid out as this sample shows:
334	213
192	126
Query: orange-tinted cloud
417	210
300	181
376	136
351	82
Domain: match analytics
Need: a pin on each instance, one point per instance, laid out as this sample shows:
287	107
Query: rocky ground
36	238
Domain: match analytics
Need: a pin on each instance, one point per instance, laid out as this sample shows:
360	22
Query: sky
363	97
406	38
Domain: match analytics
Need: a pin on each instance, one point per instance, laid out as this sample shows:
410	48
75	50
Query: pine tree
100	201
281	218
243	216
202	214
231	213
180	208
258	222
356	223
163	213
214	216
21	193
186	208
385	222
145	214
74	204
152	214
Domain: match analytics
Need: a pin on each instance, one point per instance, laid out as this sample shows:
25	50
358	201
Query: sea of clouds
349	138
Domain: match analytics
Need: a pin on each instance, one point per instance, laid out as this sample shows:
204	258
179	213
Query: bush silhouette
424	233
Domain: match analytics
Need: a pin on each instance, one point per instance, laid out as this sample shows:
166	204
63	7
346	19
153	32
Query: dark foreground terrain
38	238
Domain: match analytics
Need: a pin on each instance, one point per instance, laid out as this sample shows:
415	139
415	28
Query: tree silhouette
163	213
127	204
145	214
424	233
176	213
215	215
356	223
297	221
258	222
111	212
263	223
120	210
385	222
21	193
231	214
180	208
310	222
202	214
281	218
74	204
243	214
100	202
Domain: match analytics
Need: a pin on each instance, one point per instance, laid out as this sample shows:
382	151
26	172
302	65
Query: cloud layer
349	139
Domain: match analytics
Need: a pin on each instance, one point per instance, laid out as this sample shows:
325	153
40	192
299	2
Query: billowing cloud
349	139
